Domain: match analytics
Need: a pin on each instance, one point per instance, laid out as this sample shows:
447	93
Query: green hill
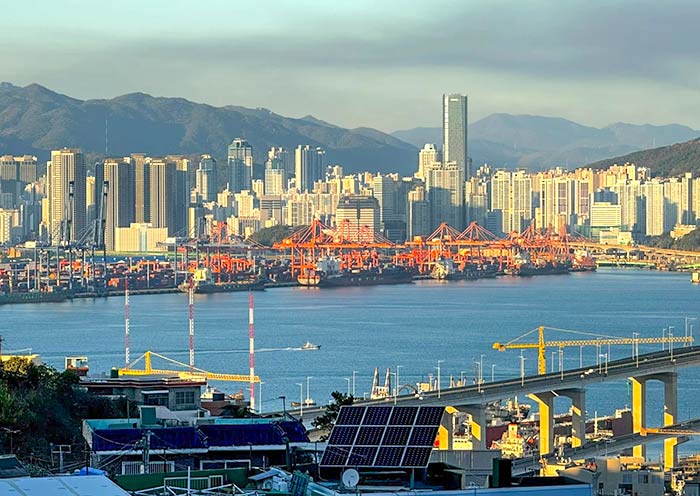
671	160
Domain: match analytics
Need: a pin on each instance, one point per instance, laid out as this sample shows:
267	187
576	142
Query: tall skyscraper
308	164
142	187
454	131
240	165
357	217
280	158
445	186
120	198
66	166
163	198
205	178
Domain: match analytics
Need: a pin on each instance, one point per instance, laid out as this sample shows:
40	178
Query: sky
368	63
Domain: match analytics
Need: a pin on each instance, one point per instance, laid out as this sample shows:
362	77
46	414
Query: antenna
251	338
127	357
191	292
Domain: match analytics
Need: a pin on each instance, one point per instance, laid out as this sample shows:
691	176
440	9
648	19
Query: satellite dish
351	477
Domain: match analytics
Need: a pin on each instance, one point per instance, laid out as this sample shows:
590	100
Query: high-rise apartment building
308	165
15	174
280	158
391	196
357	217
445	188
511	200
428	158
120	212
205	178
240	165
656	218
164	203
275	181
418	213
454	131
66	172
142	187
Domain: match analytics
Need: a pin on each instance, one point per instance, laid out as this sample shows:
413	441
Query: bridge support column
639	401
670	381
477	425
545	402
578	415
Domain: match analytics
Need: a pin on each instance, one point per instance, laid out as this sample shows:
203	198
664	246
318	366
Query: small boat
695	277
309	346
308	402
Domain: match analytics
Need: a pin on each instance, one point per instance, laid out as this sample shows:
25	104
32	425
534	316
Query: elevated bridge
639	370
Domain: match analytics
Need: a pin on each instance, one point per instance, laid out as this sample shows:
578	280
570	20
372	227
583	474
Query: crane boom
541	345
195	373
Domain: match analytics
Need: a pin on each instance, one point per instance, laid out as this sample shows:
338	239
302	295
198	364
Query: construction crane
601	340
194	374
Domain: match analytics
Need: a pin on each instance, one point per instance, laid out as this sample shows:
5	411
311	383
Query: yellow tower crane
601	340
190	373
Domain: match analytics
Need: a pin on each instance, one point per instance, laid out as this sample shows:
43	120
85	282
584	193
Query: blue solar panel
377	415
363	456
430	415
370	436
350	415
383	436
403	415
423	436
389	456
396	436
416	457
335	456
343	434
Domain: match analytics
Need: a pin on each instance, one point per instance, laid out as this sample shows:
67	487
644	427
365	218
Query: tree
327	420
271	235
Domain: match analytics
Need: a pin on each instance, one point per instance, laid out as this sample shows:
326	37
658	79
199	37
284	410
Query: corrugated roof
75	485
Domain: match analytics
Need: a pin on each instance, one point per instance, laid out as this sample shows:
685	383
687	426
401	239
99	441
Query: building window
159	399
184	398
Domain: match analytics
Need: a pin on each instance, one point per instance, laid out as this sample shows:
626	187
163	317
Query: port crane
600	340
194	373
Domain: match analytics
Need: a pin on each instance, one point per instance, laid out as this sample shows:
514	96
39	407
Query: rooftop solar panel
350	415
396	436
335	456
383	436
370	435
423	436
377	415
403	416
363	456
416	457
389	456
343	434
429	415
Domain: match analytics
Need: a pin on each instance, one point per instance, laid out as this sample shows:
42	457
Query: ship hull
355	279
33	297
210	288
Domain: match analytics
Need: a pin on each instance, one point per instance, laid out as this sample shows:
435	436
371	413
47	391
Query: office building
140	238
445	188
308	163
142	187
357	217
66	172
280	158
428	157
454	132
240	165
275	181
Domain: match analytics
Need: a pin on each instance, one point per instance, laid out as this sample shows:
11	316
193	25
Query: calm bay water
359	329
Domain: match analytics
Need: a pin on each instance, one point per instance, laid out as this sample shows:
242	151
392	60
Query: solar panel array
383	436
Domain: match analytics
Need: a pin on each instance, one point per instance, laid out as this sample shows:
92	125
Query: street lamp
481	367
308	389
438	377
301	399
493	372
461	378
522	369
398	381
663	339
353	382
635	347
348	380
479	375
670	340
688	319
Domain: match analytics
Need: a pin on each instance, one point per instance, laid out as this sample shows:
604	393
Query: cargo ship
328	274
203	283
524	267
54	296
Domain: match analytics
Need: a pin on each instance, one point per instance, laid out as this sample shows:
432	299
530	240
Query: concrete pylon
578	414
639	405
545	402
670	380
477	425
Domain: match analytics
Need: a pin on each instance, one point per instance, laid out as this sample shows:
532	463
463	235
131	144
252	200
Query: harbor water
412	326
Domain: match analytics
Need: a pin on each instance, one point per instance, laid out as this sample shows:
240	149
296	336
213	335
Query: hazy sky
373	63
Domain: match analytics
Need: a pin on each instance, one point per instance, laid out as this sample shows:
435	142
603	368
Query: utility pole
147	452
59	449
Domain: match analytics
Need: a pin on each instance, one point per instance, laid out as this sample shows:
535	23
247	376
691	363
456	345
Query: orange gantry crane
600	340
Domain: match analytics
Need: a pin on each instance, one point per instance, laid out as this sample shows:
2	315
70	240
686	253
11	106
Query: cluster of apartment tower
137	202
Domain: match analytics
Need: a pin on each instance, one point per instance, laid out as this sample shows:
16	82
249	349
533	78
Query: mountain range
34	119
536	142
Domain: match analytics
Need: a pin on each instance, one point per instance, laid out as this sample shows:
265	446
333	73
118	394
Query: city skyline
494	48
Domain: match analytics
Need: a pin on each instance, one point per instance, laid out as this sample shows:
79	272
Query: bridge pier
477	425
670	382
545	402
578	415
